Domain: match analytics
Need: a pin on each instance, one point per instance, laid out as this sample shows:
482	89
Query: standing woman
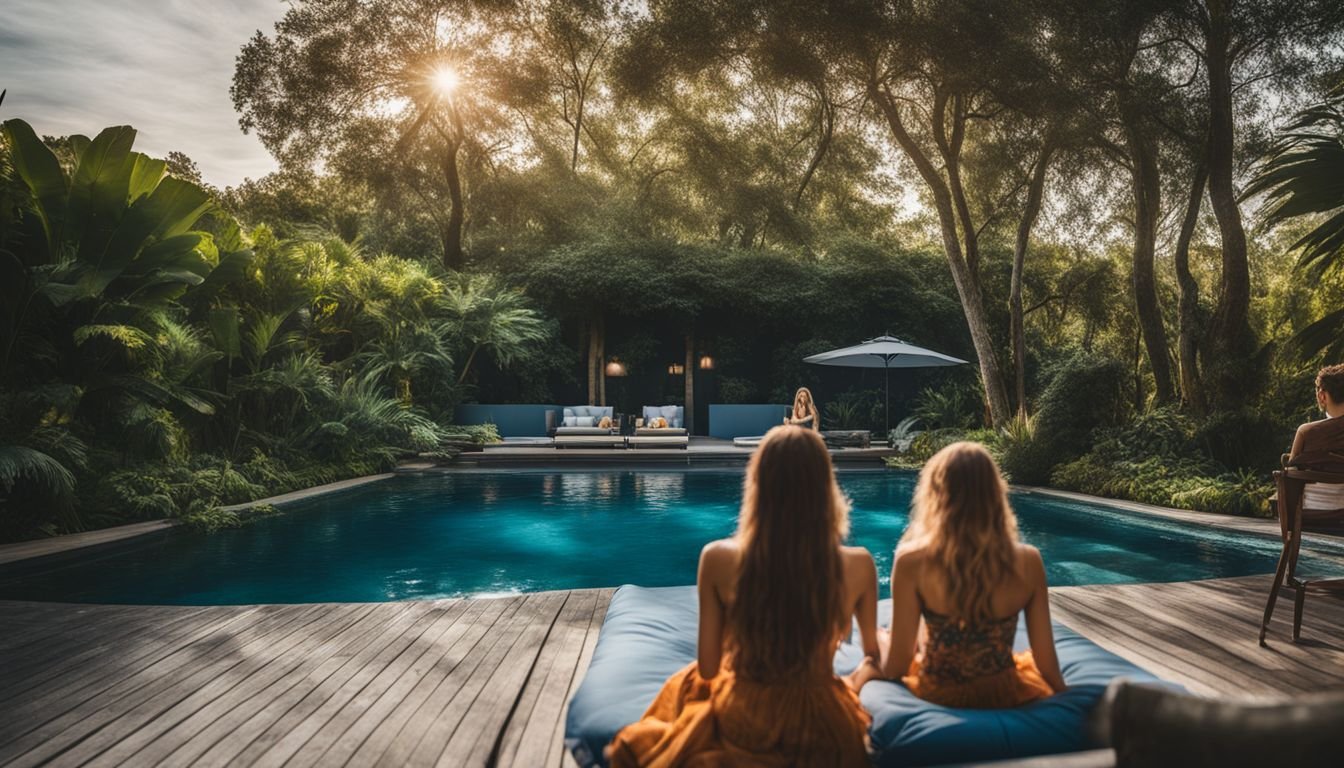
775	600
961	569
804	411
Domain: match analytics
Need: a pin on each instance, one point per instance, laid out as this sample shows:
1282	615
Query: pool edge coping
25	551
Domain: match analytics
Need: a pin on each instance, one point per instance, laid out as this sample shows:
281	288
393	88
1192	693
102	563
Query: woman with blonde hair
804	411
775	600
961	569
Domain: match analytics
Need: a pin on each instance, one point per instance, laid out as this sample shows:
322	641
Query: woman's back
720	565
774	600
959	581
969	662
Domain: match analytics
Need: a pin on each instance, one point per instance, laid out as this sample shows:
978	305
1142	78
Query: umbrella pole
886	407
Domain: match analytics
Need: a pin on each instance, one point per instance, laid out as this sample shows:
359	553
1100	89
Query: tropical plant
492	317
950	406
1302	176
903	433
855	409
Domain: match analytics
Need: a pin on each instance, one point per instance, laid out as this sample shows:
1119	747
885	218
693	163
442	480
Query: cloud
163	66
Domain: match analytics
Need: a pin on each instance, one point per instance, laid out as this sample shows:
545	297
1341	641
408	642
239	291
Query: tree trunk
964	275
592	362
602	362
1147	186
1035	192
1187	343
1231	343
452	231
689	407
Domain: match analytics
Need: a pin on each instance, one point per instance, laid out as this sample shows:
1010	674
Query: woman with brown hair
961	570
804	411
775	600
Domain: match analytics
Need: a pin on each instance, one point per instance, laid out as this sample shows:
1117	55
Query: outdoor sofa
674	435
579	428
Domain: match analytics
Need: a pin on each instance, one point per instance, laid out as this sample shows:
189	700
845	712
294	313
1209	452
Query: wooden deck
477	682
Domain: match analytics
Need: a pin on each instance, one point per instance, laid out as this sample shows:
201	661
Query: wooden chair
1293	522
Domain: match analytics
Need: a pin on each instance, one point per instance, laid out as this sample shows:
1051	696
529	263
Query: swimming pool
490	532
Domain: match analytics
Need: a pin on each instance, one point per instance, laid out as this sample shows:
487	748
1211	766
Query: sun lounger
668	437
672	436
649	633
579	428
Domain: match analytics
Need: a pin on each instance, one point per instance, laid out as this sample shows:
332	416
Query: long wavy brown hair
802	399
962	517
790	583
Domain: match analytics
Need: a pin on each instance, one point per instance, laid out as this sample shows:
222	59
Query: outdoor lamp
615	368
676	369
706	363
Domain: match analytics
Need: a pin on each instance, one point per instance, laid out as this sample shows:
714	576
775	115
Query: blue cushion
673	414
649	634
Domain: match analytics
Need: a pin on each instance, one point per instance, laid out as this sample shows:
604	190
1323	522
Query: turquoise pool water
491	532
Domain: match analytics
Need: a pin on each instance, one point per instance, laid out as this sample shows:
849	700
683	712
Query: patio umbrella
885	352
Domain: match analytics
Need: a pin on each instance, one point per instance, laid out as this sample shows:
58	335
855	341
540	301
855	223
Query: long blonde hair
962	517
804	392
790	583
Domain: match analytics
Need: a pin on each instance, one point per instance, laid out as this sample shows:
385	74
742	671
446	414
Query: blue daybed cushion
649	633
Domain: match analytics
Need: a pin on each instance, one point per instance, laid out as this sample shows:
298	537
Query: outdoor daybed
672	436
650	633
579	428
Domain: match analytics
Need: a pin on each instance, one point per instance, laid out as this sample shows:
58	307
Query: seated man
1319	445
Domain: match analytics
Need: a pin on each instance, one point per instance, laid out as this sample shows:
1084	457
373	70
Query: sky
162	66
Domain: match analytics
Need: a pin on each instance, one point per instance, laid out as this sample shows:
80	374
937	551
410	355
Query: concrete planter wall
511	420
744	420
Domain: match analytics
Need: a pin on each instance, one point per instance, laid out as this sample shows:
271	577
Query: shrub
852	410
927	443
1245	439
1023	457
951	406
1181	483
1085	393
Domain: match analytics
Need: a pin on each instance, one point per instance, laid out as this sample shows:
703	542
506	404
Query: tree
1300	177
395	95
1242	46
930	76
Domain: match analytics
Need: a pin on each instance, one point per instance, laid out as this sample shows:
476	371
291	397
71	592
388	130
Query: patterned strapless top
958	651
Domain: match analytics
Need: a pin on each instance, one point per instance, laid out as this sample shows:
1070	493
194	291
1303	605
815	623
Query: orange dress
731	721
972	666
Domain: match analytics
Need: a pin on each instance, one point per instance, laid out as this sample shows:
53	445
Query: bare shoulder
1030	562
720	555
912	554
856	556
858	561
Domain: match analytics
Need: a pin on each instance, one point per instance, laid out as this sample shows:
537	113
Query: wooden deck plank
441	651
1241	659
559	755
527	737
101	722
396	721
222	739
1204	634
344	722
217	700
299	705
118	639
477	737
432	720
485	682
366	669
114	677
